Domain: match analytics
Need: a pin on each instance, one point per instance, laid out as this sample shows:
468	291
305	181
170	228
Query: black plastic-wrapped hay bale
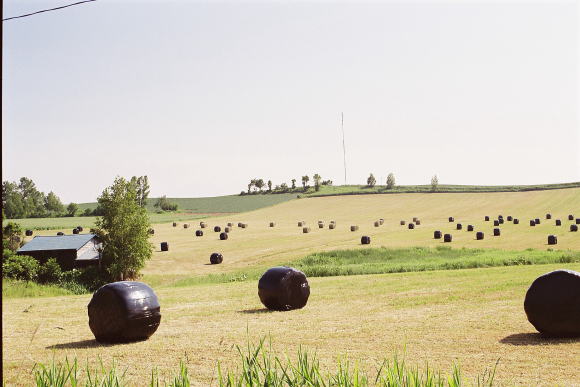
301	224
447	238
305	230
151	231
164	246
510	218
60	233
459	226
272	224
537	220
198	233
227	229
548	216
500	220
418	222
451	219
174	224
558	222
469	227
411	226
185	225
500	216
203	225
320	225
216	258
496	232
353	228
80	228
381	221
415	219
486	218
516	221
217	229
577	220
532	223
365	240
223	236
402	222
331	226
552	304
437	234
479	235
244	225
552	239
75	231
230	224
377	223
496	223
570	217
283	288
573	227
28	232
240	224
124	311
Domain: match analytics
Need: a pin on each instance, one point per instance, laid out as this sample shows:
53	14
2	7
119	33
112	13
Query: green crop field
439	303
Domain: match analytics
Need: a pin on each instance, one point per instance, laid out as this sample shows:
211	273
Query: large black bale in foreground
283	288
124	311
552	304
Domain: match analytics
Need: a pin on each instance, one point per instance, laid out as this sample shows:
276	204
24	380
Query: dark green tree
72	209
259	184
317	179
142	187
293	183
390	181
53	205
269	185
305	180
371	181
12	202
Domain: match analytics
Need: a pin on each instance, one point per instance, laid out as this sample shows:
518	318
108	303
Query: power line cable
48	10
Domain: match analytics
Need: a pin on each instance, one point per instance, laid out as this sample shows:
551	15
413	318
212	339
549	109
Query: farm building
70	251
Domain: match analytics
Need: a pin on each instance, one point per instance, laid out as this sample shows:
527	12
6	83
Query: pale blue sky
202	96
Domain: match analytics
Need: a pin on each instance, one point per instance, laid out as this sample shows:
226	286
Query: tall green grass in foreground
261	366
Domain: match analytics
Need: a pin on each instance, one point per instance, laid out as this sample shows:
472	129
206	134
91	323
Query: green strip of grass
21	289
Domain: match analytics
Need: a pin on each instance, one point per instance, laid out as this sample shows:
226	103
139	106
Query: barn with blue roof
70	251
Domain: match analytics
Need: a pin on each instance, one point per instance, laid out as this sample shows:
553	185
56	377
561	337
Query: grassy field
439	318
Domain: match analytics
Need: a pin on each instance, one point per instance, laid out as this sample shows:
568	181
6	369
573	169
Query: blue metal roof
57	242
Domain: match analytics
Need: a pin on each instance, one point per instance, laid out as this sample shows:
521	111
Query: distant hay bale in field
415	219
548	216
331	226
577	220
469	227
240	225
151	231
377	223
301	224
305	230
185	225
28	232
552	304
500	220
174	224
320	225
496	222
202	225
510	218
333	221
124	311
381	221
80	228
451	219
321	222
486	218
516	221
365	240
573	227
223	236
272	224
496	232
216	258
532	223
459	226
570	217
500	216
199	233
402	222
60	233
411	226
537	220
418	222
447	238
230	224
244	225
479	235
164	246
353	228
217	229
437	234
552	239
227	229
75	230
558	222
283	288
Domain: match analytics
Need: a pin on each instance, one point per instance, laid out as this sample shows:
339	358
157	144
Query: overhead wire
47	10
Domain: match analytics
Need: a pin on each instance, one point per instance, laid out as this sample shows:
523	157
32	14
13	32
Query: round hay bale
333	221
223	236
240	225
486	218
217	229
151	231
353	228
283	288
573	227
124	311
577	220
320	225
496	232
570	217
199	233
164	246
447	238
500	216
548	216
227	229
537	220
365	240
272	224
411	226
451	219
80	228
301	224
174	224
500	220
510	218
377	223
230	224
418	222
185	225
552	304
60	233
469	227
75	230
415	219
216	258
532	223
558	222
516	221
332	226
437	234
479	235
244	225
381	221
305	230
402	222
321	222
28	233
202	225
496	223
552	239
459	226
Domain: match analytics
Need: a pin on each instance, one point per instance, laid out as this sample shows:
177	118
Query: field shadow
255	311
536	339
86	344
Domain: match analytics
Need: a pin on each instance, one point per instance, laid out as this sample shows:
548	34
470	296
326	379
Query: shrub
21	267
50	272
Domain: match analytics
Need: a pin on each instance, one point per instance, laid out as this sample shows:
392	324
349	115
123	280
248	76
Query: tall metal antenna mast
343	146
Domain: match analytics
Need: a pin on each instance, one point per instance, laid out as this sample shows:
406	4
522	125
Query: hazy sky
204	96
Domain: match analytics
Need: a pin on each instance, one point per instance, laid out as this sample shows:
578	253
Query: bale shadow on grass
83	344
256	310
537	339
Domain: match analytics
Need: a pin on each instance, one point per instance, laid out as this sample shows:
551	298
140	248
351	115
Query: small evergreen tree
371	181
390	181
293	183
434	183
